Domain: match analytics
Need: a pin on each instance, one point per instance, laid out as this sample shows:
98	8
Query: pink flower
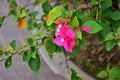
78	28
61	29
86	28
65	38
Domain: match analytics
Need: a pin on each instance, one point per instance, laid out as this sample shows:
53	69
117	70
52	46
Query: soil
93	56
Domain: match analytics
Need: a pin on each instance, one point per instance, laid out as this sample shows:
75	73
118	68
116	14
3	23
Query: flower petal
59	41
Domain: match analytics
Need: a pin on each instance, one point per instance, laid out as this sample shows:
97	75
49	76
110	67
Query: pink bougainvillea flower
86	29
66	39
61	29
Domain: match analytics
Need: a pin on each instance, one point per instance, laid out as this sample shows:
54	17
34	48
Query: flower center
59	25
58	30
62	40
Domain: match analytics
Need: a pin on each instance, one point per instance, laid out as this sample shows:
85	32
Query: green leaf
34	64
37	2
118	43
94	26
108	68
81	15
53	14
119	4
33	51
105	4
30	41
102	74
26	56
77	0
93	2
58	49
50	47
1	21
110	44
78	34
110	36
30	23
15	19
74	75
13	44
34	13
115	73
75	22
8	62
46	7
23	13
115	15
12	2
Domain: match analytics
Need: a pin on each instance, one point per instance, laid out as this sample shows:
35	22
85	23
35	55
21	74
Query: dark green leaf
26	56
46	7
115	15
102	74
74	75
115	73
33	51
30	41
37	2
110	44
50	47
1	21
12	2
35	13
58	49
81	15
94	26
93	2
8	62
77	0
31	23
13	44
34	63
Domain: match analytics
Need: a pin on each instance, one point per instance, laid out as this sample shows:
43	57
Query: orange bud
22	23
58	21
46	18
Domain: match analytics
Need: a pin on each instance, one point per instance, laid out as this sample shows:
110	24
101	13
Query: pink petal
70	33
59	41
78	28
69	44
86	28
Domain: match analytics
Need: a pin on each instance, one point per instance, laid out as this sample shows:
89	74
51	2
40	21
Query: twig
66	61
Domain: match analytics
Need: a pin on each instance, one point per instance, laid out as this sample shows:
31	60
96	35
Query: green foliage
25	56
12	2
93	2
110	44
34	64
1	21
115	15
13	44
31	24
37	2
75	22
115	73
8	62
50	47
53	14
94	26
34	13
74	75
81	15
102	74
46	7
78	34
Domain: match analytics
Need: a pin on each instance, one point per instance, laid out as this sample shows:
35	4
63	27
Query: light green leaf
118	43
30	41
8	62
102	74
78	34
110	36
53	14
75	22
110	44
34	64
37	2
94	26
115	73
23	13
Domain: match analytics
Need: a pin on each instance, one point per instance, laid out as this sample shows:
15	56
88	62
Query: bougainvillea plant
62	26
